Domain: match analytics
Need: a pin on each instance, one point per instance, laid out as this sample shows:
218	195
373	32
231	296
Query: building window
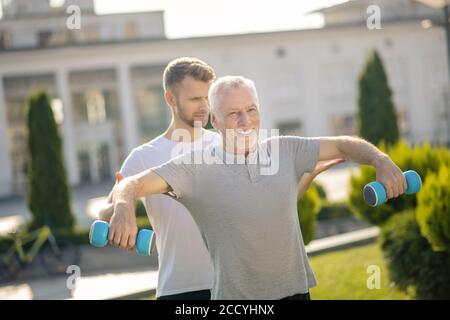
402	123
56	3
66	37
280	52
130	30
44	39
58	110
89	34
94	106
342	124
5	40
152	111
290	128
388	43
84	165
103	162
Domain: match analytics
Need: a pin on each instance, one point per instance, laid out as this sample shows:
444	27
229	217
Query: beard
189	119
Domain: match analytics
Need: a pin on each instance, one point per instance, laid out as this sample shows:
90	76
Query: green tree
209	125
48	197
377	120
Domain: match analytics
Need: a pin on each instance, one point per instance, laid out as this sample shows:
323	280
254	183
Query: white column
127	109
6	177
69	143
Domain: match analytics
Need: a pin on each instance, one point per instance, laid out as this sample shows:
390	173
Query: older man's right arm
123	227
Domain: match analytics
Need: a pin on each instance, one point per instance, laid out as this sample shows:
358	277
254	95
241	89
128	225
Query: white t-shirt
184	261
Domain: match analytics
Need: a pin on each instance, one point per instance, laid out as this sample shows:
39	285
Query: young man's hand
322	166
307	178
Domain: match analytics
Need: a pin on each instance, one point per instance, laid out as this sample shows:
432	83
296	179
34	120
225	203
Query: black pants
300	296
206	295
192	295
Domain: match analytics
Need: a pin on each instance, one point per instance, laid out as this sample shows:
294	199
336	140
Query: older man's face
237	118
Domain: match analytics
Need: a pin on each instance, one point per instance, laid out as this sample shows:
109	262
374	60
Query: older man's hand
390	176
107	209
122	225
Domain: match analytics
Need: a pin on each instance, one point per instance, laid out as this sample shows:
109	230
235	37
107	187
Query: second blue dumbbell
98	237
375	194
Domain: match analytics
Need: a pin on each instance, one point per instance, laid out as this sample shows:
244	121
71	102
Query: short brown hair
178	69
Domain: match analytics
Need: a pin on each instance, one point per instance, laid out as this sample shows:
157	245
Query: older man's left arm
363	152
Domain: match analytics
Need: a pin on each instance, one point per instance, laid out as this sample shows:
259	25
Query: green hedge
433	210
140	209
320	190
307	208
422	158
334	210
411	261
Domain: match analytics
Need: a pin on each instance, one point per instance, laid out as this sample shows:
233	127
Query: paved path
91	287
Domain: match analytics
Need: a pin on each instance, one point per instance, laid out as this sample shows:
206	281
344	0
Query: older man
247	218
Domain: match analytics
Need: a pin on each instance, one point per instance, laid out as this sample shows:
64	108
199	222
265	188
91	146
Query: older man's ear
214	121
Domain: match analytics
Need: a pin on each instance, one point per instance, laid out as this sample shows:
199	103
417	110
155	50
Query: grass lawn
150	297
343	275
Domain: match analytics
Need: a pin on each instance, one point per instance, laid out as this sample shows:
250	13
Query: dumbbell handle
375	194
98	237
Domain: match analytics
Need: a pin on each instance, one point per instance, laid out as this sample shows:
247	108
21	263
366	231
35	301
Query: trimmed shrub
411	261
331	211
320	190
377	119
422	158
433	210
140	209
49	197
308	207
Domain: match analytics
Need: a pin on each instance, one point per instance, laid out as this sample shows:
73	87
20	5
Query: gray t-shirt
249	220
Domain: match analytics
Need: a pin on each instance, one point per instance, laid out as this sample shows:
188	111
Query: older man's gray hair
224	84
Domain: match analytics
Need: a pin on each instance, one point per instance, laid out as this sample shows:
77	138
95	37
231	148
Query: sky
187	18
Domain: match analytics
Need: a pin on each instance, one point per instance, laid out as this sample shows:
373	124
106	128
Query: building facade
105	79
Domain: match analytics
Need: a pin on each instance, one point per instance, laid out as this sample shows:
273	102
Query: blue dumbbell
98	237
375	194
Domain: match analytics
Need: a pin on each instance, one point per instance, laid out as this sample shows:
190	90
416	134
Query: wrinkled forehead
236	98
